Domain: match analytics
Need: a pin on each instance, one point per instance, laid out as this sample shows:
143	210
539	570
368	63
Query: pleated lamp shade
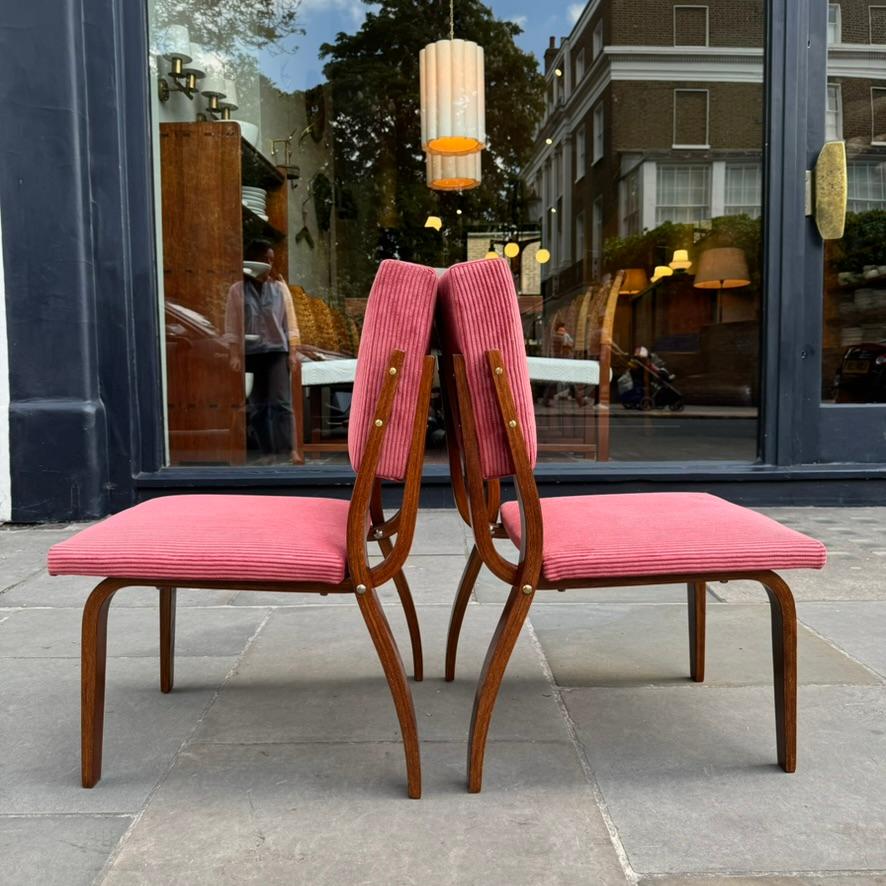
453	173
635	282
722	268
453	99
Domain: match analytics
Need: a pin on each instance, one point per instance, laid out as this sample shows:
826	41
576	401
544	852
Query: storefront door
848	110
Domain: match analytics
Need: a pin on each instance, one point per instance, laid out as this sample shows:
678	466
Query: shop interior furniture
206	227
582	541
285	543
583	431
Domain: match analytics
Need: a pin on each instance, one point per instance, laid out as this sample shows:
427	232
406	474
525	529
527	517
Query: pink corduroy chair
276	543
590	540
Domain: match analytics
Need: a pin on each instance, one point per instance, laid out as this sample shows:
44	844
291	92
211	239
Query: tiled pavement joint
109	861
599	799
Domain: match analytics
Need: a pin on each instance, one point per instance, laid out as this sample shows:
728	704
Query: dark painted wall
73	278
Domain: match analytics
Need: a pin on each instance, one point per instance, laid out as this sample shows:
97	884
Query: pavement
276	760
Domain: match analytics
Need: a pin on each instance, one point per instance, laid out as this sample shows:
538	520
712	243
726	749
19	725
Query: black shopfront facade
86	375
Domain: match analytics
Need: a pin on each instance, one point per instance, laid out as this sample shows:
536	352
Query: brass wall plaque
831	190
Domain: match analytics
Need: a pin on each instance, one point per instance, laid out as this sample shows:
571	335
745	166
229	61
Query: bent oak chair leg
167	638
784	662
697	595
386	647
93	658
408	604
459	605
503	641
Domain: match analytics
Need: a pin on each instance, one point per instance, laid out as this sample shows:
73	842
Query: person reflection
261	306
562	347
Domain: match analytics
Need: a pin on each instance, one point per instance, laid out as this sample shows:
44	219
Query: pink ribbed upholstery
398	317
607	536
214	537
480	313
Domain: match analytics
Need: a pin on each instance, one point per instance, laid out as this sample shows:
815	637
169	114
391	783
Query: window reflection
287	135
854	340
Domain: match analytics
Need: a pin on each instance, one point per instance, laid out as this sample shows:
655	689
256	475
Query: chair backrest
399	316
479	313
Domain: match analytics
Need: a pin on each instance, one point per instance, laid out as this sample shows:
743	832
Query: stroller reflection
646	382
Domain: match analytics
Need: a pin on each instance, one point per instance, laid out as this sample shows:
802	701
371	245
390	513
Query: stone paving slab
687	772
858	628
797	880
439	531
690	778
621	645
58	591
144	729
313	675
640	594
337	814
133	632
57	850
433	579
23	551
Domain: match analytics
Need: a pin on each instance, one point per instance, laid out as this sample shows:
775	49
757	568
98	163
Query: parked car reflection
861	377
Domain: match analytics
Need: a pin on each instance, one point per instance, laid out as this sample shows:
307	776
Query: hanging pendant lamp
453	98
453	173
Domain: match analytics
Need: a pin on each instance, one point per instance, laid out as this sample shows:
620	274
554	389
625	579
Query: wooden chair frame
478	503
362	580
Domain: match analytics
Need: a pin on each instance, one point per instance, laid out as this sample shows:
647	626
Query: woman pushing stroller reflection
260	319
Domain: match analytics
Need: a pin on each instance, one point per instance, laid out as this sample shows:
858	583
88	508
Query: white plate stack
256	199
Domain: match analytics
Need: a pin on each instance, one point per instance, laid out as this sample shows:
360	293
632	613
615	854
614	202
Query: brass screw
378	422
392	370
360	589
512	423
527	589
498	370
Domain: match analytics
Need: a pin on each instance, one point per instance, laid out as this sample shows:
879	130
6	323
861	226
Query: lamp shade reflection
176	44
453	100
680	261
635	282
661	271
724	267
453	173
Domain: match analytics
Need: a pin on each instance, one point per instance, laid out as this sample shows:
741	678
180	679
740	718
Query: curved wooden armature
360	581
528	580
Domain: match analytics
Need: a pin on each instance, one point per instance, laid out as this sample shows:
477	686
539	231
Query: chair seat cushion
661	533
214	537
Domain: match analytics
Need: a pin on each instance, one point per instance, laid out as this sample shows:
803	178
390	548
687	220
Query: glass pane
854	328
289	163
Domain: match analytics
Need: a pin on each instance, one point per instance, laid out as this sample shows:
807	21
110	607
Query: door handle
830	190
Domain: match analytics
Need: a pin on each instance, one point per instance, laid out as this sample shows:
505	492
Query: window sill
690	147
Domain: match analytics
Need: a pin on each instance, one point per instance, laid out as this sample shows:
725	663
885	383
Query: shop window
581	158
743	189
599	143
835	32
630	192
877	16
691	118
834	115
580	236
683	193
878	115
597	38
597	238
867	186
579	66
691	26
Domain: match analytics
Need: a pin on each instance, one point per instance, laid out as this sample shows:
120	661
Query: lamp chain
452	19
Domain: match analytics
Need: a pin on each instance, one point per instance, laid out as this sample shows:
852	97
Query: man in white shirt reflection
261	307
